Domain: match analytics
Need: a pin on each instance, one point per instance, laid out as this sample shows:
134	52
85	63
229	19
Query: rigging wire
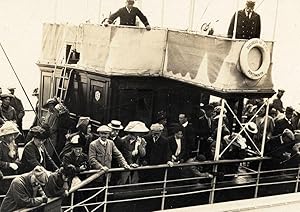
18	79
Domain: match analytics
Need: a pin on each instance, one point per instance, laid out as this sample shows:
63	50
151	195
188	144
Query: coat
128	19
70	158
157	152
9	114
16	103
246	28
31	158
5	158
130	147
100	155
173	146
21	194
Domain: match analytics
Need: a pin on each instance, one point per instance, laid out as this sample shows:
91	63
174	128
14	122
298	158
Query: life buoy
244	63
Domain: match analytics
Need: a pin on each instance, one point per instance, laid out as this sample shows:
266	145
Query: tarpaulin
206	61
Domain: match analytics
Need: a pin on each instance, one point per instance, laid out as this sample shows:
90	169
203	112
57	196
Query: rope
12	68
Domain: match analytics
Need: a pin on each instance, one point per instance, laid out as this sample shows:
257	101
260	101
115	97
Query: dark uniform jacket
246	28
21	194
31	158
127	18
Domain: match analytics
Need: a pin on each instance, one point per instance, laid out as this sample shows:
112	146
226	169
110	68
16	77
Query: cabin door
98	104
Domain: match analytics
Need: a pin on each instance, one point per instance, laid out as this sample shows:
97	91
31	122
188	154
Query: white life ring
266	58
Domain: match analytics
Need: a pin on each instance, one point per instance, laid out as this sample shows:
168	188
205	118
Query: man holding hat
16	103
103	150
26	190
128	15
248	23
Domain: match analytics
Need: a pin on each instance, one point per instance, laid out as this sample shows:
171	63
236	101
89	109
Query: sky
21	32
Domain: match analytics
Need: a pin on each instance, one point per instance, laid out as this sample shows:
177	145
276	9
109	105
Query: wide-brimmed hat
8	128
5	95
39	132
40	174
75	141
104	128
136	127
50	101
115	124
83	122
251	127
157	127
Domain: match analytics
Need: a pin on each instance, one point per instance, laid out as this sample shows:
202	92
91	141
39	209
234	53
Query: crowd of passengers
53	155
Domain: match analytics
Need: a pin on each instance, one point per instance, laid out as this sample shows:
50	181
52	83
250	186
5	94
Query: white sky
21	29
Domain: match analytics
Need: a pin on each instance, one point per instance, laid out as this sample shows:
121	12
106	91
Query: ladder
64	80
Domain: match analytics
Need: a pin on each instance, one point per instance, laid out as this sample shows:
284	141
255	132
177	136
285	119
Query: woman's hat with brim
39	132
115	124
251	127
83	122
9	128
136	127
50	101
5	95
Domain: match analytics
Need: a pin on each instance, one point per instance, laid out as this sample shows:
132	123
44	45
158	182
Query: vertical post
217	152
297	181
164	190
265	129
106	193
191	16
163	2
72	201
276	17
235	19
257	179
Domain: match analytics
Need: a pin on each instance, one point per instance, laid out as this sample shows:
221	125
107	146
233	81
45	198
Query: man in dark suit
248	23
284	123
128	16
188	134
177	145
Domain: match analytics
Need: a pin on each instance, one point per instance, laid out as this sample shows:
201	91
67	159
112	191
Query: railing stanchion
257	180
106	192
164	190
297	180
72	201
213	185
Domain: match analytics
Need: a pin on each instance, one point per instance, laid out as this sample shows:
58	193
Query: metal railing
169	188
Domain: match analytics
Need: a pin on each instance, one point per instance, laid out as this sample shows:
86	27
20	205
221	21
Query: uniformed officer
248	23
128	16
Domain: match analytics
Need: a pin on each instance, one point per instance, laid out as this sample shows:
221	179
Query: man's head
129	4
280	93
182	118
39	135
39	176
115	126
6	98
250	5
178	132
156	130
289	111
104	132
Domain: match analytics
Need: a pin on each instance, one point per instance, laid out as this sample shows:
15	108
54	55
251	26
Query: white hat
8	128
115	124
137	127
157	127
104	128
251	127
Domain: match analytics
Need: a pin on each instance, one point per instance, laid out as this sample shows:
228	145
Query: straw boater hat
251	127
9	128
115	124
136	127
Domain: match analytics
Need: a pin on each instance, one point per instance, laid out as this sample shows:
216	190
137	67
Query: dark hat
39	132
289	109
75	142
281	90
50	101
11	88
35	92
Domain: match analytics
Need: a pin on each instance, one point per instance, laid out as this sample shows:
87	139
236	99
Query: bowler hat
115	124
